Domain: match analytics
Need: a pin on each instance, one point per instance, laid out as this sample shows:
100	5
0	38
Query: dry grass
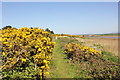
110	45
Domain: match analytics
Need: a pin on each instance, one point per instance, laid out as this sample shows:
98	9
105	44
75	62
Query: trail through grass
60	68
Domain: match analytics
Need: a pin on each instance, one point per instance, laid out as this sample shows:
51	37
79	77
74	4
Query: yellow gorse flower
3	53
39	49
45	61
5	42
24	60
42	67
47	73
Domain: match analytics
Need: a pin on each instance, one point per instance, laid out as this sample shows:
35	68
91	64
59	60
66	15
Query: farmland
110	45
38	54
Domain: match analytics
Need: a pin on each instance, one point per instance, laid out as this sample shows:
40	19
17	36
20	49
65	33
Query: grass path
60	68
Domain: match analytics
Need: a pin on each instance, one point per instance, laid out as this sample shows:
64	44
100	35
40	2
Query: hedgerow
26	52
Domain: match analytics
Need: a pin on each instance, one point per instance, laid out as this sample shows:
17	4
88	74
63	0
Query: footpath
60	68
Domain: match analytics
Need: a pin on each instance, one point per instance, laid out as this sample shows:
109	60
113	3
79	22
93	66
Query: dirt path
60	68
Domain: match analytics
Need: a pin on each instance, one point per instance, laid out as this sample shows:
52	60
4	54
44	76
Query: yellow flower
5	42
3	53
39	49
47	66
10	46
24	60
45	61
27	32
70	50
47	73
54	42
40	73
36	46
42	67
92	53
100	52
13	62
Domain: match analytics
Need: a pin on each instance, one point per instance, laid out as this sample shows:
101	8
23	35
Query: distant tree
31	27
62	34
8	27
52	32
48	30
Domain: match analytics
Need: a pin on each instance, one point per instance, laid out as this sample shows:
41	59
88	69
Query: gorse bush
96	65
80	53
26	52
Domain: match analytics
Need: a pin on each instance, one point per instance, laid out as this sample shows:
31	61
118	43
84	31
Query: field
110	45
40	55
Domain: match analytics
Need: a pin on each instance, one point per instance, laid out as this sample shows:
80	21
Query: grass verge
60	66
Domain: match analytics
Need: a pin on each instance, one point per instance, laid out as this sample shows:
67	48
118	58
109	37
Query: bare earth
110	45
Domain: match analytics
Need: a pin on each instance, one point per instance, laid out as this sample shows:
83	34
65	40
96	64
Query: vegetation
48	30
60	67
80	53
110	57
67	35
97	65
32	53
26	53
8	27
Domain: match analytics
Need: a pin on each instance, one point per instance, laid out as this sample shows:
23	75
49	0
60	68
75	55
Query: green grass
109	56
0	60
60	67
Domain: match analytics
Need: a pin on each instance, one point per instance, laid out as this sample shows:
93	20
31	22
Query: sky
63	17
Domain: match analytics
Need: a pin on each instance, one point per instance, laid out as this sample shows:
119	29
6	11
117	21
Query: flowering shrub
80	53
26	52
96	66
